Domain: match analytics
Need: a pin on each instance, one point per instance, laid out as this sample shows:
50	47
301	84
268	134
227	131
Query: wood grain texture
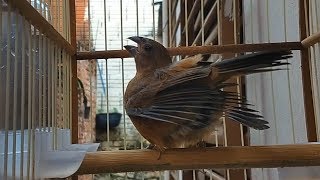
311	40
193	50
74	101
74	79
208	158
306	75
38	21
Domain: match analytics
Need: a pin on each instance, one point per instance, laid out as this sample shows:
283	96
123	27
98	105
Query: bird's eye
147	47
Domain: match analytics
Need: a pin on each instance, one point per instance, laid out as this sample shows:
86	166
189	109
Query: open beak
132	50
136	39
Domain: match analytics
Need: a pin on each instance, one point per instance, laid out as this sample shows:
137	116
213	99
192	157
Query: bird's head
149	54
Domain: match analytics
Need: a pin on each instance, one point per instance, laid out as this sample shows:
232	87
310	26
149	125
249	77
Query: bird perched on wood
178	104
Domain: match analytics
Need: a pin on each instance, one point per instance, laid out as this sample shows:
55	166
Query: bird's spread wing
196	107
180	100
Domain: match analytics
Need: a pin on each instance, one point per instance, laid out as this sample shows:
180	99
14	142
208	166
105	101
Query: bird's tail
253	63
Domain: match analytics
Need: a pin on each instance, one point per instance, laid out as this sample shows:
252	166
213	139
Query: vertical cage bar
287	70
64	18
44	83
107	98
58	105
40	8
39	71
7	102
58	16
194	174
67	91
23	73
61	124
89	24
306	76
202	22
122	78
67	100
91	87
170	22
137	17
70	93
236	37
33	114
15	96
315	64
50	18
61	91
55	92
271	73
49	97
1	66
64	90
30	65
107	82
74	79
90	66
232	131
64	87
153	21
68	23
186	21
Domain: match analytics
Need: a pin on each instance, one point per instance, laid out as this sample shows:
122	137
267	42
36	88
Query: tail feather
255	62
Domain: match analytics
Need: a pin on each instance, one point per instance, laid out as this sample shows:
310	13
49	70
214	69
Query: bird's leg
150	146
156	148
201	144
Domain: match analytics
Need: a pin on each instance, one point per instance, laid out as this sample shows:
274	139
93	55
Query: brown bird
178	104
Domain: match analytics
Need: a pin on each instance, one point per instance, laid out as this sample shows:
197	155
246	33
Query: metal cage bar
37	80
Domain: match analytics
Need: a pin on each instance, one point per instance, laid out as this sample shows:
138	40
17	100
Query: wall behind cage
277	95
314	27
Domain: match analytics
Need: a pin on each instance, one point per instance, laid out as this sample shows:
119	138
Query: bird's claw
150	146
201	144
156	148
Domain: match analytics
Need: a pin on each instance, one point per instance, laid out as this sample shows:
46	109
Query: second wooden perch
209	158
193	50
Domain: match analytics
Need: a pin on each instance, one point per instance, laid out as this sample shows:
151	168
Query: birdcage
62	64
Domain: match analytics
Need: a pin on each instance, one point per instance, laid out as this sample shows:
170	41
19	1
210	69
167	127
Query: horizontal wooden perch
208	158
311	40
193	50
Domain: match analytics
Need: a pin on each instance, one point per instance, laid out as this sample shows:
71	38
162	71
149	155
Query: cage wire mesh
105	25
35	89
186	23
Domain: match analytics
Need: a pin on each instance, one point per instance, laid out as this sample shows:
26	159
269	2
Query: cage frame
137	160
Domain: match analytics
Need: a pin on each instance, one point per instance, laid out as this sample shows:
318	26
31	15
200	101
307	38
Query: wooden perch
193	50
208	158
311	40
